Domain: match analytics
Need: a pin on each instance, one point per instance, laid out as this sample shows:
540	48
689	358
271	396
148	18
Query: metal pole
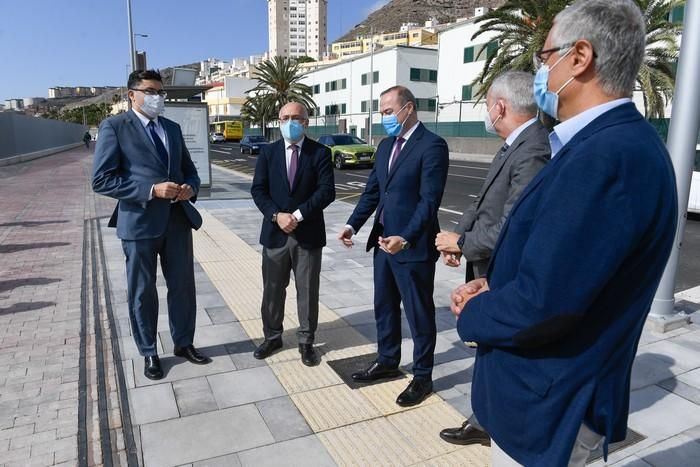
132	53
437	111
682	138
371	80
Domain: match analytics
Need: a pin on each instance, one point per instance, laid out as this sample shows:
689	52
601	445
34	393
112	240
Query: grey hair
515	87
405	95
617	32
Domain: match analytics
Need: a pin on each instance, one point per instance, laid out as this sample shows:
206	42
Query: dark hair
139	75
405	95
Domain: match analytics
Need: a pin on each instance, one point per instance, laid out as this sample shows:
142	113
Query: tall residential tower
297	27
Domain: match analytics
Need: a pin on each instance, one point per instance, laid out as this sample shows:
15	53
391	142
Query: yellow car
348	150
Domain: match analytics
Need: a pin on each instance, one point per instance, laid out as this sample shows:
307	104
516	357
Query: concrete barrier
23	138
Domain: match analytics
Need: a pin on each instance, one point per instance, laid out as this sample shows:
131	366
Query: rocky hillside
396	12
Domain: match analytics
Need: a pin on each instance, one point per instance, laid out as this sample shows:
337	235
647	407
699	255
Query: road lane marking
220	152
450	211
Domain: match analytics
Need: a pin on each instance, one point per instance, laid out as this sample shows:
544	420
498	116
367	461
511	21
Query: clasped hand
287	222
173	191
465	292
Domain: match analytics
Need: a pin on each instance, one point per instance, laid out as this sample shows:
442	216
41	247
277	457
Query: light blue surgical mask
547	100
391	123
490	125
292	130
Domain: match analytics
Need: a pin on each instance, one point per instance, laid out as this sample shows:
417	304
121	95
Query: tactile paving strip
468	456
422	425
295	377
333	407
372	443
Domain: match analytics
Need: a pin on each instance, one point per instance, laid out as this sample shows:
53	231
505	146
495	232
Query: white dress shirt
288	155
515	133
160	131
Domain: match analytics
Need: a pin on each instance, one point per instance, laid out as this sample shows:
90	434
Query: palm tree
279	82
521	27
257	111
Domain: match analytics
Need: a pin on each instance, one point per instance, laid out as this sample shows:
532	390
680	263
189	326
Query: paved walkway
72	388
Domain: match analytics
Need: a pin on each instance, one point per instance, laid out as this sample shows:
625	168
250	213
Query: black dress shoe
415	393
151	368
466	434
192	354
267	348
376	371
309	357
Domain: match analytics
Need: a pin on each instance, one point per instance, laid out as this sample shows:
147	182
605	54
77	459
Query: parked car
216	138
348	150
252	144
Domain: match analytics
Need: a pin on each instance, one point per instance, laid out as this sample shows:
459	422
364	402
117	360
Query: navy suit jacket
409	194
126	165
313	190
572	278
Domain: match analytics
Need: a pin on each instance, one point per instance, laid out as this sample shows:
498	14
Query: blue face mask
292	130
391	123
547	100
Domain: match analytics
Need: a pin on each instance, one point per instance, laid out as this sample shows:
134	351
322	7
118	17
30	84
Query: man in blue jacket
405	189
574	272
292	186
142	161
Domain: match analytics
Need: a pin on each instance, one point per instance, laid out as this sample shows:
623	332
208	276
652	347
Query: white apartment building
297	28
226	99
342	91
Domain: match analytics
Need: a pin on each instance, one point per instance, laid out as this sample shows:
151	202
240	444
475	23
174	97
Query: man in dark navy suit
573	274
292	186
142	161
404	189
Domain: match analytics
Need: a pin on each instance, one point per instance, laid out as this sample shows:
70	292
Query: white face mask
153	105
489	125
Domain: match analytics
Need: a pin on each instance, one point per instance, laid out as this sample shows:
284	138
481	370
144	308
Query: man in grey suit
511	114
142	161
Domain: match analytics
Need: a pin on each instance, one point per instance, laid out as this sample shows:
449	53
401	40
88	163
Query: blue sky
46	43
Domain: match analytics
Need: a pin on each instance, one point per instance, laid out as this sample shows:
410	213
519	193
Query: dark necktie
160	147
502	152
397	149
292	172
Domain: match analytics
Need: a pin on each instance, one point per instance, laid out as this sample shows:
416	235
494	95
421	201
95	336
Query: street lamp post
132	53
371	81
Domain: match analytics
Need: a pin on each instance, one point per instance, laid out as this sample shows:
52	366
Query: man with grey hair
511	113
572	277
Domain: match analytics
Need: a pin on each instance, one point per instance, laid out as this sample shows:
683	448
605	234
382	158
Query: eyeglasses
296	118
541	56
151	92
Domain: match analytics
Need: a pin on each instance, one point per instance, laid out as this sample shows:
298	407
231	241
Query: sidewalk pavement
72	389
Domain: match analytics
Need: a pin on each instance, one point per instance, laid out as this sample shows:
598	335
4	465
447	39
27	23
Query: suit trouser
412	284
177	263
586	442
475	270
277	263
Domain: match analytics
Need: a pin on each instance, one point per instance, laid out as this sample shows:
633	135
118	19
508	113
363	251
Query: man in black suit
512	115
293	184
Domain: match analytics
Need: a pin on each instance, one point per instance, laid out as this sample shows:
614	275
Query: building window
316	89
375	105
677	14
466	92
337	84
365	78
468	54
425	105
424	74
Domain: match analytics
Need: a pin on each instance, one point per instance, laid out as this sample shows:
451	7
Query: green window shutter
415	74
328	86
466	93
364	79
343	108
677	14
491	49
344	84
363	106
375	105
468	54
433	76
375	77
431	105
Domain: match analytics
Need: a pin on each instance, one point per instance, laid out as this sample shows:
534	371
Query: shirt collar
409	132
515	133
298	143
565	131
145	120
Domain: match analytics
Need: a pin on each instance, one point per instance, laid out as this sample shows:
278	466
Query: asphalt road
463	184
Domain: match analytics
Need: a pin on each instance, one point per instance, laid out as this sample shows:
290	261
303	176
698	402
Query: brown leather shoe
466	434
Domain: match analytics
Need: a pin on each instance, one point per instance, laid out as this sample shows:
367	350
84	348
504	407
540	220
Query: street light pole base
667	323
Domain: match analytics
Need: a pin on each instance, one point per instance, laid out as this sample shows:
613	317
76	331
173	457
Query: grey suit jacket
508	176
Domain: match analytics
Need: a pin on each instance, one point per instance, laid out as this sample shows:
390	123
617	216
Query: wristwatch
460	242
274	218
405	245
